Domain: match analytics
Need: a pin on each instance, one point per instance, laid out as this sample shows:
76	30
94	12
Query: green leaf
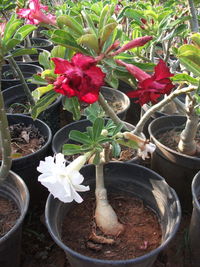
43	103
90	41
176	32
72	105
98	127
89	21
11	26
196	39
36	79
79	137
116	149
183	77
103	17
72	149
94	111
66	20
128	143
44	59
25	30
10	44
59	51
40	91
24	51
106	32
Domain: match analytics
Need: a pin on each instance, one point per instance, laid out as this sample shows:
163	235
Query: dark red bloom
80	77
150	88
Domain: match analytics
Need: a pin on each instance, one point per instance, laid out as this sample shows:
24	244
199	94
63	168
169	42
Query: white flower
144	151
63	182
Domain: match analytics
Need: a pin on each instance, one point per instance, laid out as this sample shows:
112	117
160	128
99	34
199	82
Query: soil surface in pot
25	140
39	250
171	139
22	106
9	213
142	230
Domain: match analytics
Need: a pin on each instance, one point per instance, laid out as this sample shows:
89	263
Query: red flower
80	77
150	88
35	15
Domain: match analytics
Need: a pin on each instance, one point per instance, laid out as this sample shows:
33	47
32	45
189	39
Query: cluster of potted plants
99	55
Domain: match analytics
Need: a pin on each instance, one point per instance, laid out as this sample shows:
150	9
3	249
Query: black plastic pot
129	179
50	116
178	169
194	229
62	136
40	43
34	58
13	189
26	166
111	95
7	76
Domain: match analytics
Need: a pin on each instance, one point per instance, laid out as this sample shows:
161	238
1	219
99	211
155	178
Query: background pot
26	166
61	137
15	189
111	95
129	179
178	169
50	116
194	230
7	76
34	58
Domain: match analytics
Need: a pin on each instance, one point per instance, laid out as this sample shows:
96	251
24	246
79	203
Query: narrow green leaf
79	137
183	77
103	17
44	59
116	149
72	105
11	27
40	91
90	41
89	21
66	20
72	149
106	32
43	103
97	158
98	127
24	51
25	30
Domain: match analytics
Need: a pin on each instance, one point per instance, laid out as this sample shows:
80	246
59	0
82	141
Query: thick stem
187	144
27	92
194	19
109	111
139	127
105	216
5	139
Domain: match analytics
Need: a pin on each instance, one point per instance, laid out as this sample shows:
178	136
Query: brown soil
25	139
9	213
171	139
142	230
22	107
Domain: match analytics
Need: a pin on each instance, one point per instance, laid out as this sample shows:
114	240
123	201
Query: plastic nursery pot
194	229
40	43
116	98
26	166
129	179
61	137
13	188
27	69
178	169
161	113
33	58
50	116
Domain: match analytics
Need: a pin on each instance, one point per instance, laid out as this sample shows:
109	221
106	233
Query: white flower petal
76	177
60	160
77	164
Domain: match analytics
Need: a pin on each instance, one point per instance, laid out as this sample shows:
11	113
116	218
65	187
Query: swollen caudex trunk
187	144
105	216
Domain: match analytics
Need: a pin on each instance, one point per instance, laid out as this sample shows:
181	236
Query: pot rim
195	194
116	262
26	198
47	143
20	65
152	135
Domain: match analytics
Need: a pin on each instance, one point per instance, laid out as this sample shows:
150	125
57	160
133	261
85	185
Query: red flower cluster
80	77
150	88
